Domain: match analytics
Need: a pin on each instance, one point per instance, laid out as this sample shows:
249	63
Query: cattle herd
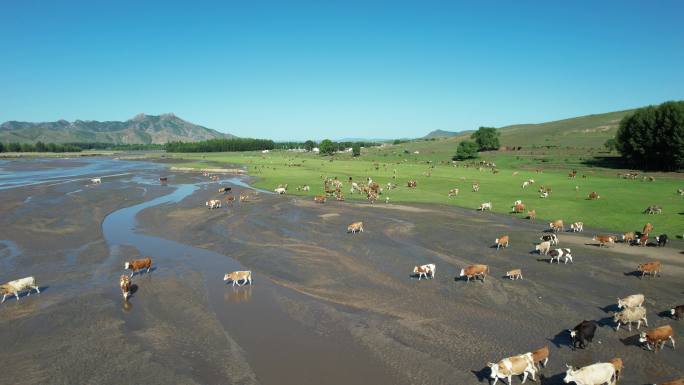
631	308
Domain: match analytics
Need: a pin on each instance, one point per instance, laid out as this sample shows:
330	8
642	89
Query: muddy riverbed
326	307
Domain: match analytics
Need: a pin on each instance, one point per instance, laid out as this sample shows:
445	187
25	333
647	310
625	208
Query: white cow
525	184
280	190
17	286
485	206
213	204
597	374
96	180
577	227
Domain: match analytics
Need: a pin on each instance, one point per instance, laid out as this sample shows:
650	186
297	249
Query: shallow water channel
279	349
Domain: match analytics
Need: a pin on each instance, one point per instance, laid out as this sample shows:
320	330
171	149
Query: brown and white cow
514	274
453	192
658	336
629	237
236	276
513	366
411	184
425	270
125	285
137	265
532	214
475	271
648	227
213	204
319	198
476	187
519	208
485	206
577	227
652	268
593	196
557	225
677	312
501	241
355	227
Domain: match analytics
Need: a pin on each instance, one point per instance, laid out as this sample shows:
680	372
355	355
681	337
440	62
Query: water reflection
236	294
126	306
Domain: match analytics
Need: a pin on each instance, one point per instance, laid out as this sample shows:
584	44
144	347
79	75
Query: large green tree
487	138
653	137
356	149
327	147
466	150
309	145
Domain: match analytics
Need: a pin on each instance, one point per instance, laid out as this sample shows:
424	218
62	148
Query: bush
653	137
466	150
356	149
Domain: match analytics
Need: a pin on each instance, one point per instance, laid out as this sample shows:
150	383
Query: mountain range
141	129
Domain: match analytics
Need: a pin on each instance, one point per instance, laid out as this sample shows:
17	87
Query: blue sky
298	70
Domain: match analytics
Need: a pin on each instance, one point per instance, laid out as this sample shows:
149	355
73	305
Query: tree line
38	147
221	145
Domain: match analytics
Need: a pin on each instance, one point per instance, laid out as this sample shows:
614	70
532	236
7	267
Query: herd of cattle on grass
631	308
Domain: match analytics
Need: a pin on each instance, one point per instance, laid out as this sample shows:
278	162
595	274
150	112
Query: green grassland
619	209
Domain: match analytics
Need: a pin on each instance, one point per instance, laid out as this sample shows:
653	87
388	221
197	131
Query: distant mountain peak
141	129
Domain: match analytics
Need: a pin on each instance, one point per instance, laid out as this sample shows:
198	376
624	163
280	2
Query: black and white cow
558	253
661	239
552	238
582	333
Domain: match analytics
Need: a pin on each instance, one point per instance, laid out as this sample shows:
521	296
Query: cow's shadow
633	273
422	277
612	308
483	374
144	272
556	379
666	314
632	340
465	279
547	260
605	321
561	339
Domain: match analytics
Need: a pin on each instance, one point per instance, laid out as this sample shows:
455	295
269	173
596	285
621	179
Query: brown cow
593	196
658	336
138	264
412	184
355	227
603	240
514	274
539	355
519	208
319	199
617	363
651	268
647	229
475	271
532	214
629	237
643	240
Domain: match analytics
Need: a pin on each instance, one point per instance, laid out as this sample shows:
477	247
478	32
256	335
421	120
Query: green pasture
619	209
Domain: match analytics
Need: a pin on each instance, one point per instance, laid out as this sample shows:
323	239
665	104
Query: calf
453	192
514	274
411	184
501	242
225	189
476	187
17	286
543	248
355	227
596	374
557	226
651	268
658	336
593	195
245	276
661	239
485	206
539	355
634	300
138	264
551	238
584	331
629	315
532	214
319	199
513	366
475	271
643	240
96	180
125	285
617	364
603	240
425	270
558	253
213	204
577	227
677	312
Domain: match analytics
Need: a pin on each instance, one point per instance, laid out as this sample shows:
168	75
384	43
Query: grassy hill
589	131
142	129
